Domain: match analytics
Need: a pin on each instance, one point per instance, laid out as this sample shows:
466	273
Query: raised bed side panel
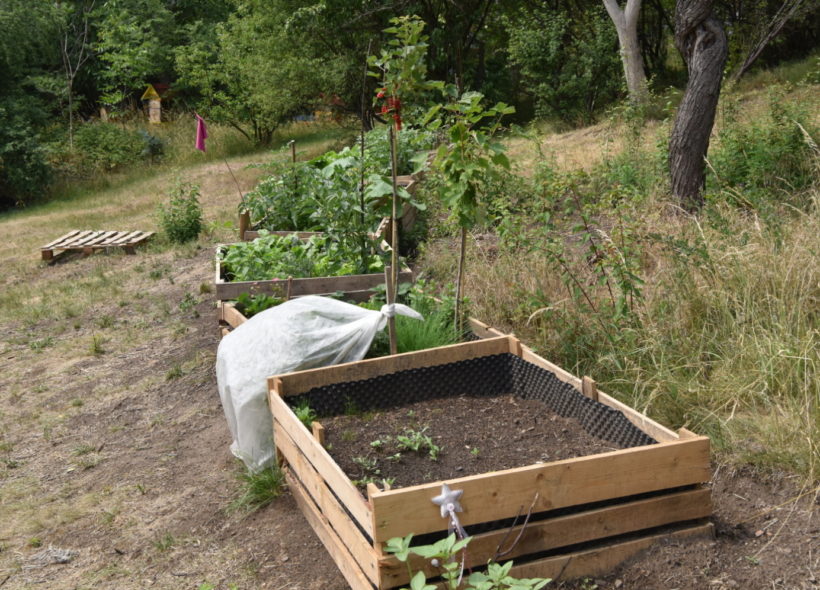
302	381
285	423
326	502
563	531
502	494
649	426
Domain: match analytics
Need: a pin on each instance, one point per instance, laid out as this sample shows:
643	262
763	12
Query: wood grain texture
502	494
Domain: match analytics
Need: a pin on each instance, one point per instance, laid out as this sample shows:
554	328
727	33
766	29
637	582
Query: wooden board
301	381
603	559
571	482
334	545
568	530
286	422
301	286
90	241
329	506
250	235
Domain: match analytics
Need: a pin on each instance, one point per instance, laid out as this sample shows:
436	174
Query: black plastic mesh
486	376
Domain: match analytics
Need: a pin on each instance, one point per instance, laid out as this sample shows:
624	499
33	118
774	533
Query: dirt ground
115	470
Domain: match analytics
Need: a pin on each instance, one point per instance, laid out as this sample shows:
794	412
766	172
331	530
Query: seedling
379	443
305	413
418	442
370	470
475	452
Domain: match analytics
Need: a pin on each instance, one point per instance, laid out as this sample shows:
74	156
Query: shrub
181	217
24	173
106	146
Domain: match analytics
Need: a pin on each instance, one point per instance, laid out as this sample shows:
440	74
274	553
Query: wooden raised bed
588	513
296	287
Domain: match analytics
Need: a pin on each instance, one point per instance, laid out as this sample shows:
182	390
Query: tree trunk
626	23
701	41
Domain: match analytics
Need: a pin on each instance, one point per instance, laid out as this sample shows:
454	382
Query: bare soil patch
472	434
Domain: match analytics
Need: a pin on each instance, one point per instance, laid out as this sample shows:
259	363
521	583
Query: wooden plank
571	482
285	421
304	286
101	237
80	240
564	531
50	245
649	426
69	243
301	381
318	432
125	238
482	330
601	560
231	315
589	388
329	507
334	545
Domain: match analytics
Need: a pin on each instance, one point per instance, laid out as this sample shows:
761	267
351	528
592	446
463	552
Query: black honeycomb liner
487	376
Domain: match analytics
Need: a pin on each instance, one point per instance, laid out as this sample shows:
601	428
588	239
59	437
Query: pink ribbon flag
201	133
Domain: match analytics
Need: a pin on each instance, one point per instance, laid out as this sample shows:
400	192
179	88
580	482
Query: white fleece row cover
299	334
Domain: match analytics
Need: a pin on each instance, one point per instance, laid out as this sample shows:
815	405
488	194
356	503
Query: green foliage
24	173
471	157
258	489
419	442
569	59
106	146
250	305
181	217
446	553
134	42
271	256
766	158
305	413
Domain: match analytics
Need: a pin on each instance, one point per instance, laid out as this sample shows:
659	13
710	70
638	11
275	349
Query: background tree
75	51
700	39
626	24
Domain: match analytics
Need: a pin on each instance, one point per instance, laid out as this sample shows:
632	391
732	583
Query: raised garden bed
350	285
588	513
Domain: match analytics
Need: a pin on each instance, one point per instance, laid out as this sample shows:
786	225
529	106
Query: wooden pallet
597	510
89	241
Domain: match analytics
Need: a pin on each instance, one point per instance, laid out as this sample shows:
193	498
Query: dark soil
474	435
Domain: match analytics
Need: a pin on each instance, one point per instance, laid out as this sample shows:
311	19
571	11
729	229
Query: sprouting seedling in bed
305	413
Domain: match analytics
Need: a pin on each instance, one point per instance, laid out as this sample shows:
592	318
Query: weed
39	345
369	470
81	450
96	348
258	489
205	288
140	488
35	542
379	444
181	217
188	303
305	413
418	441
174	372
105	321
475	452
77	403
165	542
349	435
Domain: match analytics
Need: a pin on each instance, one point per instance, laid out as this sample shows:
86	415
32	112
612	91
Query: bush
106	146
24	173
181	217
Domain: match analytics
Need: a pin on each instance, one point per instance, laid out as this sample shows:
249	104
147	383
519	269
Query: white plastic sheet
299	334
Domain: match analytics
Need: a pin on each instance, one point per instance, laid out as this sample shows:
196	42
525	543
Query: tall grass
723	333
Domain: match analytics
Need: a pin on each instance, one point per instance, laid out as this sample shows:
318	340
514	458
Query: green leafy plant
305	413
444	555
271	256
418	441
258	489
250	305
181	217
370	471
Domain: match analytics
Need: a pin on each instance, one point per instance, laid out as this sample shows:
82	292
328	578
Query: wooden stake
290	289
293	167
391	298
318	432
244	224
589	388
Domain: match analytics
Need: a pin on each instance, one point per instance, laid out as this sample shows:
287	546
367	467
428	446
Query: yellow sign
150	93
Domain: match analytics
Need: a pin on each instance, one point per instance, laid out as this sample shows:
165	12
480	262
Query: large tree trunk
700	39
626	23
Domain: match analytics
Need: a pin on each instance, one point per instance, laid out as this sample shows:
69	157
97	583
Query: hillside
113	445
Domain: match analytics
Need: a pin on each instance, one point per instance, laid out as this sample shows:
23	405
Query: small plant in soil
305	413
369	469
447	555
418	442
258	489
